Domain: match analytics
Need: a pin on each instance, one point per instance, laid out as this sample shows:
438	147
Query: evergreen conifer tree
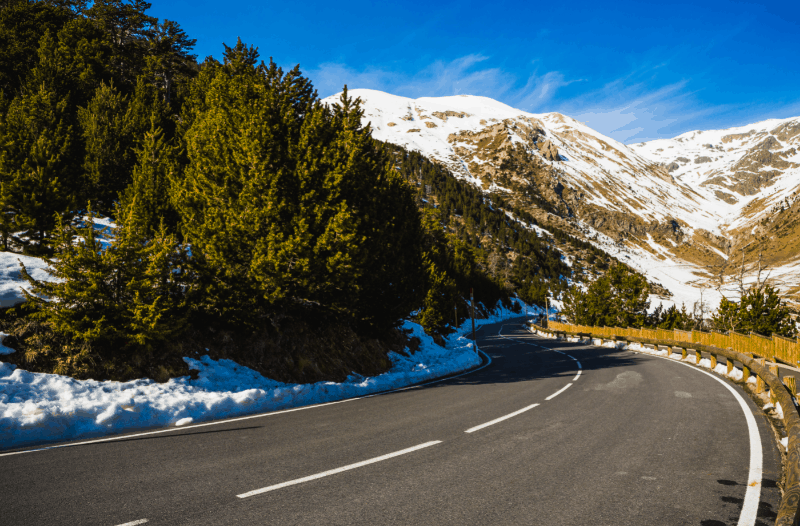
109	307
292	200
761	310
37	166
146	201
169	56
108	143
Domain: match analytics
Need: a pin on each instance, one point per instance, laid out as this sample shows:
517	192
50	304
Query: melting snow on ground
37	408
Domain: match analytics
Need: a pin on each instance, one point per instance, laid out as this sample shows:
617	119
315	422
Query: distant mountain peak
680	204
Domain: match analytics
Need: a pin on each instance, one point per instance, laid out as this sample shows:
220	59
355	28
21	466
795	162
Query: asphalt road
635	439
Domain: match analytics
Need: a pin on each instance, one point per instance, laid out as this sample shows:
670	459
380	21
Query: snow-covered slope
736	168
676	209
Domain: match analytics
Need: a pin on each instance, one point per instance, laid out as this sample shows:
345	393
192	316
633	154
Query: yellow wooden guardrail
776	348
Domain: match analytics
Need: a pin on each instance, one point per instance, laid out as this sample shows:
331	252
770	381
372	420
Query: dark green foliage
760	310
672	318
617	299
113	126
22	24
169	56
38	171
146	202
110	308
288	204
108	139
477	219
127	27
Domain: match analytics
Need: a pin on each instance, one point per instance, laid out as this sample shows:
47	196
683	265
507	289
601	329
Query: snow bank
37	408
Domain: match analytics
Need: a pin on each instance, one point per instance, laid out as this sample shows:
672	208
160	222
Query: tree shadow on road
519	356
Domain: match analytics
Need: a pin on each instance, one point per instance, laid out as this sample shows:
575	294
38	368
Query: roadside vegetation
620	299
252	221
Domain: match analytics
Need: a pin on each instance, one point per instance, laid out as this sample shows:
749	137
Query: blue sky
633	70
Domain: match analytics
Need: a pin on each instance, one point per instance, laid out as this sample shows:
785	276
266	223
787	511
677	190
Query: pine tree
727	317
108	308
146	200
22	25
618	298
127	26
169	56
292	199
440	296
37	166
107	137
760	310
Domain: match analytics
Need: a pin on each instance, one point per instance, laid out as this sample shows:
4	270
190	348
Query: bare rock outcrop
548	150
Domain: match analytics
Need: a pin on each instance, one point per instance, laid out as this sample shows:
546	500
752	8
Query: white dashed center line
558	392
496	420
338	470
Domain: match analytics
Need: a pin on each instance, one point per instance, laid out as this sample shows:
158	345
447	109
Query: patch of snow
11	281
3	349
38	408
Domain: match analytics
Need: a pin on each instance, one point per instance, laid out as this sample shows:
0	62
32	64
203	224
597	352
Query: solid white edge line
134	523
559	392
249	417
496	420
338	470
577	375
753	492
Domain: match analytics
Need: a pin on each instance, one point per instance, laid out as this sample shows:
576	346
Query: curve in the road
749	511
614	448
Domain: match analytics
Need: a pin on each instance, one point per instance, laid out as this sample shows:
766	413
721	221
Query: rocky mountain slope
679	210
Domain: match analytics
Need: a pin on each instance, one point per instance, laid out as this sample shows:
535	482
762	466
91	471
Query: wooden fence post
697	356
683	353
790	384
759	385
773	396
745	373
729	365
713	361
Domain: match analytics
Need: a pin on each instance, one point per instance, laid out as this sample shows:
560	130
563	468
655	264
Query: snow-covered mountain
677	209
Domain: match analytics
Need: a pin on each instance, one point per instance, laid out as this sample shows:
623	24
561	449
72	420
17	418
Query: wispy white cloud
634	111
465	75
636	107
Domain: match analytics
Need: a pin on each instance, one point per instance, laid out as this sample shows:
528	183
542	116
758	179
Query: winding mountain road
548	433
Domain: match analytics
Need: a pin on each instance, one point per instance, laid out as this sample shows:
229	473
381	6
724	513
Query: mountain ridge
678	209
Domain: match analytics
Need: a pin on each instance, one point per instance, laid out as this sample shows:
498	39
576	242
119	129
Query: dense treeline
80	86
515	257
248	213
619	298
